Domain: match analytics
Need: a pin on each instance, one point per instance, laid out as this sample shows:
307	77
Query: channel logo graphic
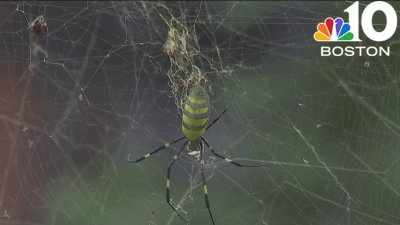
333	30
336	30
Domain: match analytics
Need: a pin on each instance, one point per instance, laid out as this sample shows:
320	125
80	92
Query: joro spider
195	115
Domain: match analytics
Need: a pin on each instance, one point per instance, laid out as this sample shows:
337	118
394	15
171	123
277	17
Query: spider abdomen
195	113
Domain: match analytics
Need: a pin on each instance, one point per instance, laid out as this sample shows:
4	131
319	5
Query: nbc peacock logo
336	31
333	30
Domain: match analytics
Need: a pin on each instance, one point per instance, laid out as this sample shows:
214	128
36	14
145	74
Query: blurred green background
96	88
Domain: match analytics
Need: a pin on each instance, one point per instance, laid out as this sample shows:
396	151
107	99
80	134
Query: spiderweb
108	80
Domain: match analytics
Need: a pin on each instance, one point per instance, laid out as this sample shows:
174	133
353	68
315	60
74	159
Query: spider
38	26
195	114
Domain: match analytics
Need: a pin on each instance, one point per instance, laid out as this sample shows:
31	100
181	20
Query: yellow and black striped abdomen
195	113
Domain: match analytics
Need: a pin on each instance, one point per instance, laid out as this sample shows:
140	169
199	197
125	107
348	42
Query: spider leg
228	159
204	182
167	194
216	119
166	145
